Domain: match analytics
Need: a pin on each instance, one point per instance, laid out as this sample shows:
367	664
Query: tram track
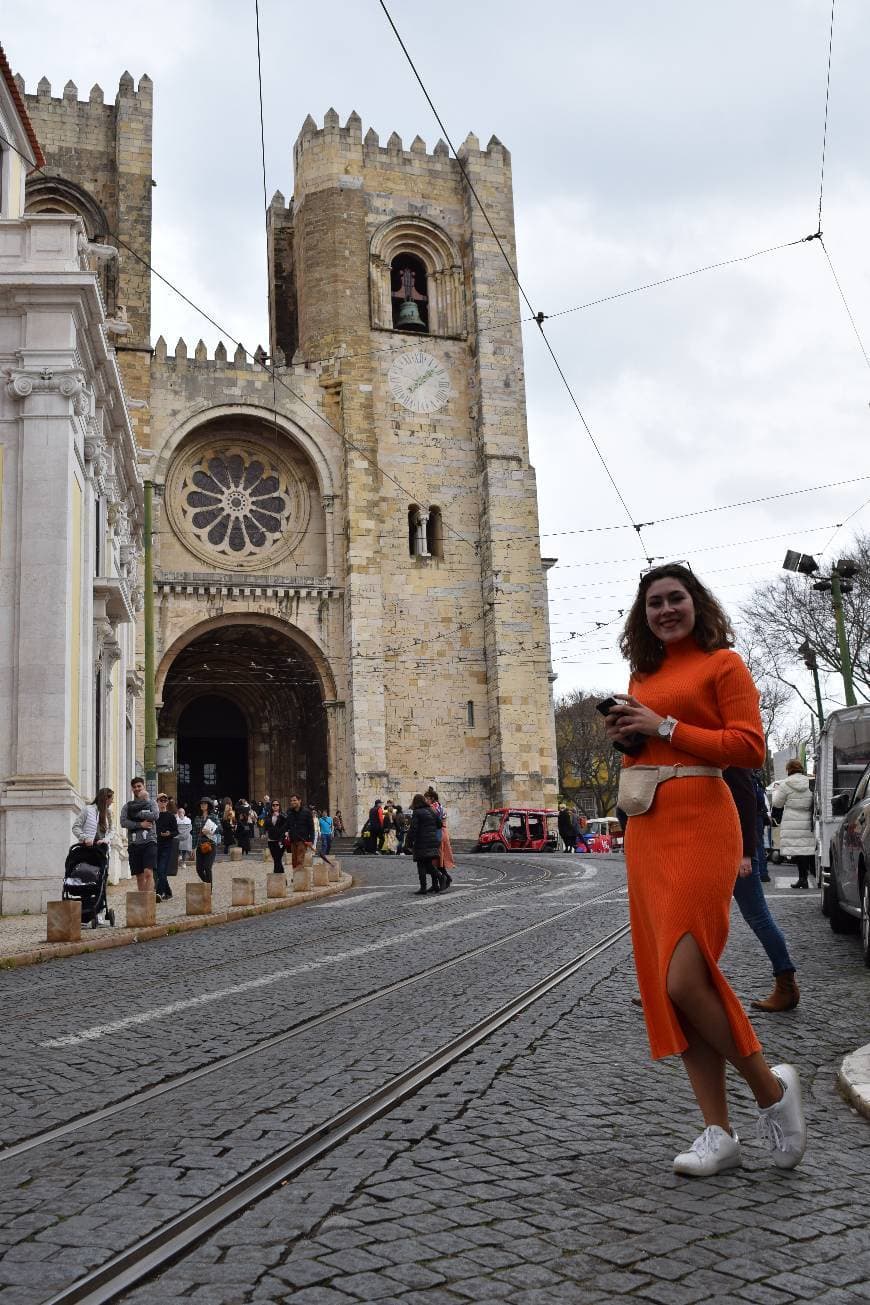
499	884
176	1237
174	1082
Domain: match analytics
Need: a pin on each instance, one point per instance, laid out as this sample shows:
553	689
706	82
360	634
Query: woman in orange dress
692	703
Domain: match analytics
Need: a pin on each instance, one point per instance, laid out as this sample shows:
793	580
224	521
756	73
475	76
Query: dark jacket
132	815
275	833
167	827
742	786
424	834
299	825
566	825
376	819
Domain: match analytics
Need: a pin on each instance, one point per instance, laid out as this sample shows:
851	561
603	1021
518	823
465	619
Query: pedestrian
93	825
228	826
400	822
424	842
338	823
139	818
692	709
327	826
750	898
275	826
185	834
264	811
167	830
762	826
565	822
244	825
797	839
205	832
446	859
376	827
298	830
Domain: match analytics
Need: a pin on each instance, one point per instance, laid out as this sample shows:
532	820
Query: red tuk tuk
519	829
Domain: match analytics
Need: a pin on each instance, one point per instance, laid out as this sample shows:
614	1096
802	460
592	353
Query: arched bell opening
245	704
408	290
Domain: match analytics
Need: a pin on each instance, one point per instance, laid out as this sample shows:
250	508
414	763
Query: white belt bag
638	784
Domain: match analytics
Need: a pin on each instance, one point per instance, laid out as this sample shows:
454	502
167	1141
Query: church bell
409	318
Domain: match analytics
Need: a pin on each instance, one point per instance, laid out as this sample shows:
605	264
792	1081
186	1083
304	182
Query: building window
408	292
434	533
418	529
469	714
209	774
415	278
183	772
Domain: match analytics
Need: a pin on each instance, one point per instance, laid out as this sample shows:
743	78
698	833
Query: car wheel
865	919
838	919
497	847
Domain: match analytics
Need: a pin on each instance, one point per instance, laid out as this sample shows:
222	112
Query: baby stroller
85	877
363	844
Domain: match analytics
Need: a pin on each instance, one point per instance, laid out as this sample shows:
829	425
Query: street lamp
839	582
811	662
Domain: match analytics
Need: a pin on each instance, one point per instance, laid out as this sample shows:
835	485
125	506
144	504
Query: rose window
237	503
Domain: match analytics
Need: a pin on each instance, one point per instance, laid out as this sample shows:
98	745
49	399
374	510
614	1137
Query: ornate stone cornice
69	382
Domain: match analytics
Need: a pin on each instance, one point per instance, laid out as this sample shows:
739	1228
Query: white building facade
70	534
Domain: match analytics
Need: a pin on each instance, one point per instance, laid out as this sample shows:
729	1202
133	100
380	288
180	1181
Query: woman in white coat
797	841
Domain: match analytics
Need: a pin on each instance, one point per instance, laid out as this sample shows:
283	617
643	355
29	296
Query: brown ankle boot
785	996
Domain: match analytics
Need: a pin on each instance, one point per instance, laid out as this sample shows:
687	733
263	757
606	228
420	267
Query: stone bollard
267	855
302	879
243	892
198	898
308	859
141	910
276	885
236	854
64	921
321	874
335	872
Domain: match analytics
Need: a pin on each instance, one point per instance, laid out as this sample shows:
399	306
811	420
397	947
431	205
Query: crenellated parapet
315	145
258	362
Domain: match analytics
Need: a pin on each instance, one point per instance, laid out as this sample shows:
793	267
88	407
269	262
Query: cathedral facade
350	597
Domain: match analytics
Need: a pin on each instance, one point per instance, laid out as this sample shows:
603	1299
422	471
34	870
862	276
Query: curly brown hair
640	647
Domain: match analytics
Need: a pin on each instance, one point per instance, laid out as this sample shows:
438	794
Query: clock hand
422	379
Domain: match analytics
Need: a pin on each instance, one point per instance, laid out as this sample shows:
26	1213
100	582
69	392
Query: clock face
419	382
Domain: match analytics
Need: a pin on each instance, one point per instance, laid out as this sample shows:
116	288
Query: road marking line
265	981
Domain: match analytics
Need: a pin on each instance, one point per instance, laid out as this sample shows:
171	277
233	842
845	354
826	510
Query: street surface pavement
536	1169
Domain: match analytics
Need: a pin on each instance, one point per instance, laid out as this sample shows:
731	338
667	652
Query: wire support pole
148	584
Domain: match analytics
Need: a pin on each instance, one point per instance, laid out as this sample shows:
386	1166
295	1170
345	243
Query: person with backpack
298	830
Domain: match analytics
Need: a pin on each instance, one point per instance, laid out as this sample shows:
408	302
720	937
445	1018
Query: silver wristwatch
667	727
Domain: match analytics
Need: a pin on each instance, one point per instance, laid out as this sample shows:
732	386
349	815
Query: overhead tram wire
825	129
539	317
265	209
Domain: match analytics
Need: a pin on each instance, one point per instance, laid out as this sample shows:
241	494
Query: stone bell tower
384	265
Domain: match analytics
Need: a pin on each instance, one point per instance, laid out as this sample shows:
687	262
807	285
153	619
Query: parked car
518	829
848	888
842	755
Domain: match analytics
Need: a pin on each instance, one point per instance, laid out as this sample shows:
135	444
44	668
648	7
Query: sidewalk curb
853	1080
103	941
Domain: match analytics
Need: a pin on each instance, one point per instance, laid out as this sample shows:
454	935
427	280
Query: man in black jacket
299	829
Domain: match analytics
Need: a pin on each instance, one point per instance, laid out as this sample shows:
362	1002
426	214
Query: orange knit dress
683	854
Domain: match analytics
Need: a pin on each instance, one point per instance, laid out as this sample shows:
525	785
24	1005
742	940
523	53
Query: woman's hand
630	717
744	870
88	842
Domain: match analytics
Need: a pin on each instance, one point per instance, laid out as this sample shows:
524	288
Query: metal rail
158	1249
305	1026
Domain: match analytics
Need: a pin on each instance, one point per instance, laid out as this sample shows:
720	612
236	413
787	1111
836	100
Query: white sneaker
710	1153
782	1127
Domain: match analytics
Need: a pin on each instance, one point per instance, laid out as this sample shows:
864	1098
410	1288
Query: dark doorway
212	751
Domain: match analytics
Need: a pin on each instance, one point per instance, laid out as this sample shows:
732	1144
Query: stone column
51	642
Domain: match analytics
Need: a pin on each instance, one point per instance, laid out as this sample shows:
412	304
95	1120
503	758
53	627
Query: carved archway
270	675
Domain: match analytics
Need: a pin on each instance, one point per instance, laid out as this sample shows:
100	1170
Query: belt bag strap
638	784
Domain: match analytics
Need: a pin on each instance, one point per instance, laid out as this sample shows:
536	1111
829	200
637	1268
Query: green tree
586	757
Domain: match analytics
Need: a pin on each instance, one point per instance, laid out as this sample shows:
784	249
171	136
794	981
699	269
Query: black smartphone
634	742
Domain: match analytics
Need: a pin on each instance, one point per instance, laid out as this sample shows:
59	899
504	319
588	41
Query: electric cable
849	312
825	129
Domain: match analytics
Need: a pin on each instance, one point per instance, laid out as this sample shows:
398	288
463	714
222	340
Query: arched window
434	533
408	292
414	245
417	531
58	195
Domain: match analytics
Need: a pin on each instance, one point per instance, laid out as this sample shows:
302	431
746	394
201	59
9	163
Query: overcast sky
648	137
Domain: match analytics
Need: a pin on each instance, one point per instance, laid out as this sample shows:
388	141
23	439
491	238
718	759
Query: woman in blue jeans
749	896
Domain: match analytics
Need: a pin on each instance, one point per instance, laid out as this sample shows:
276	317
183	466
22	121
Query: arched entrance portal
245	705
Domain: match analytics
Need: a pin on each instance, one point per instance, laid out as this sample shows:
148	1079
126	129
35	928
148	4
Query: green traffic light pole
839	621
150	713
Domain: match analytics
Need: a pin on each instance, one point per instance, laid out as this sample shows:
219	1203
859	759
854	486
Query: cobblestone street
536	1168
